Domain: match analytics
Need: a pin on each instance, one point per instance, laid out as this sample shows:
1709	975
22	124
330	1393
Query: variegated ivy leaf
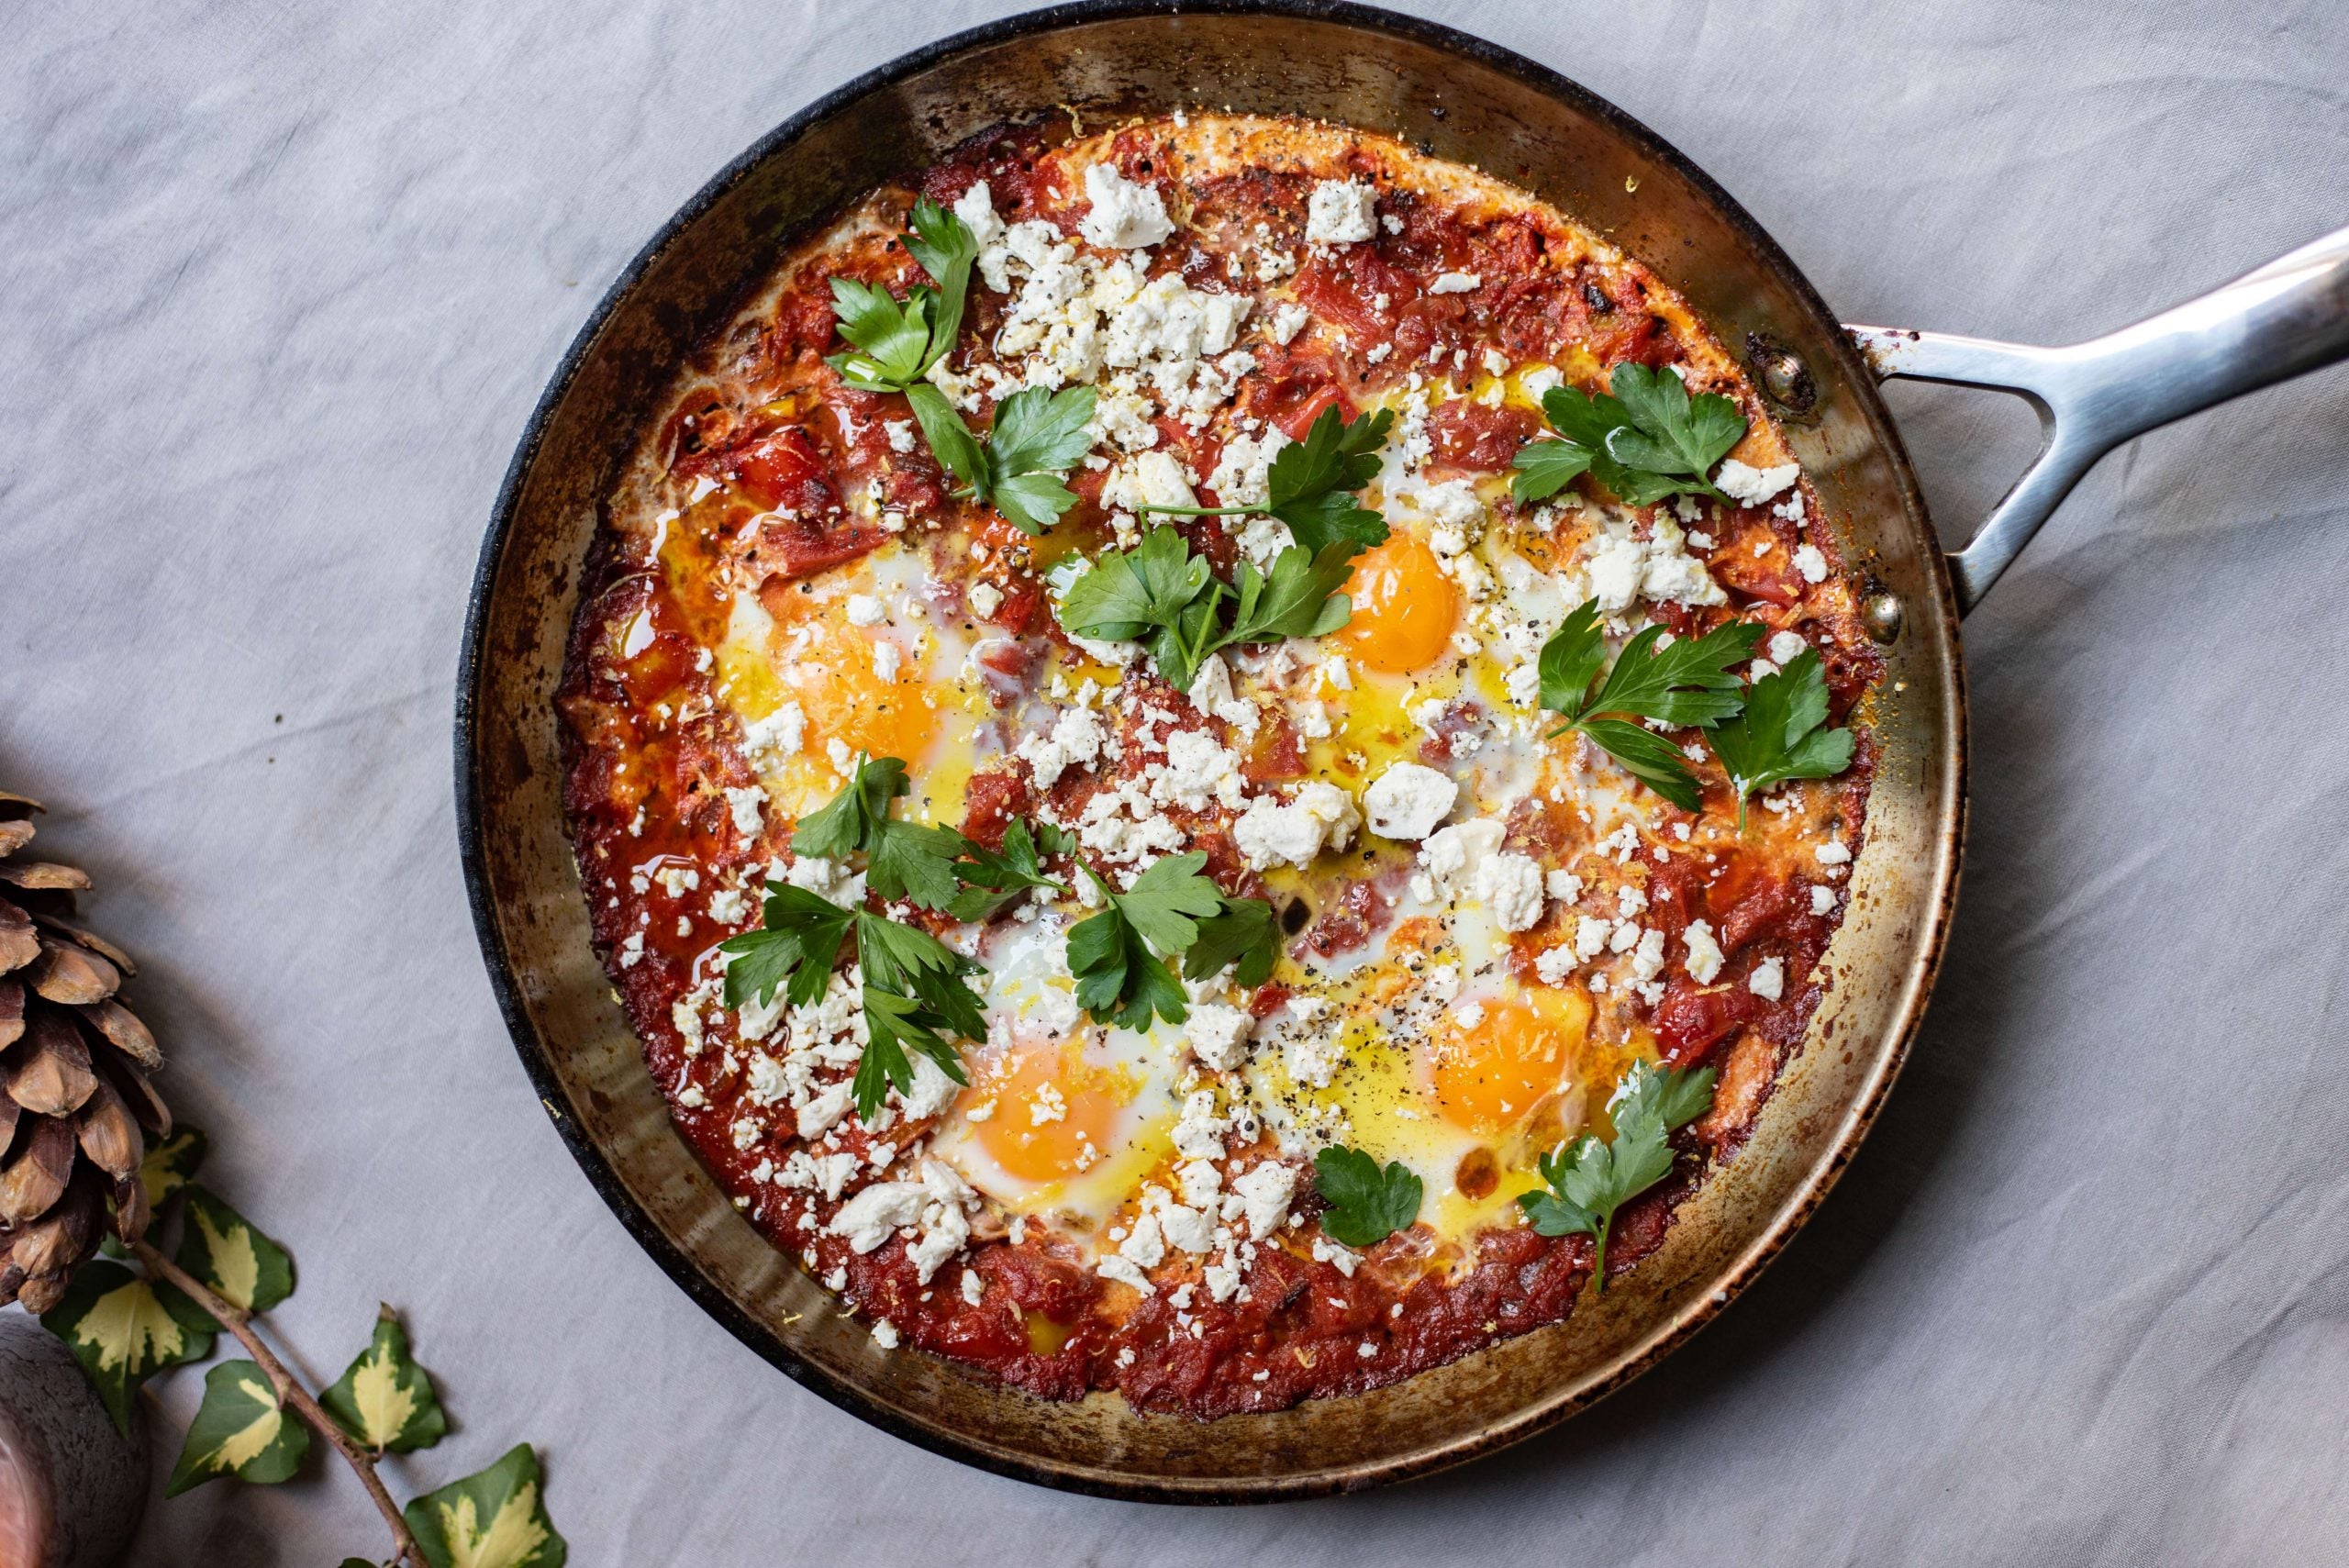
385	1399
218	1247
170	1165
239	1431
124	1330
493	1519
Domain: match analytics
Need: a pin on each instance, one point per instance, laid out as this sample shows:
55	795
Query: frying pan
1458	98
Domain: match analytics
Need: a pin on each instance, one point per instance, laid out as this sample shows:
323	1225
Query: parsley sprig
1691	682
1782	733
993	880
905	860
916	994
1311	485
1647	440
1367	1205
1038	434
1591	1180
898	344
1017	468
1120	956
1164	597
916	991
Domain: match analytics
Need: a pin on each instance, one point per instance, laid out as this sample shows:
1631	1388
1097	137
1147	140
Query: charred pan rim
591	1159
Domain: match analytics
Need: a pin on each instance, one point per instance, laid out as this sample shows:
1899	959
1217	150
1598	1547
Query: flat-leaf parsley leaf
993	880
1120	956
1782	733
1311	485
917	995
898	344
1689	682
1167	598
1038	436
906	861
1647	440
1367	1205
1590	1180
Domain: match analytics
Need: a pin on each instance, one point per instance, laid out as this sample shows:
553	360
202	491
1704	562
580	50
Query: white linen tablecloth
279	284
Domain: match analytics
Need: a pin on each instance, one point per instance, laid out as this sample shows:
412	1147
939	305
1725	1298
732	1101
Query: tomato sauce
650	761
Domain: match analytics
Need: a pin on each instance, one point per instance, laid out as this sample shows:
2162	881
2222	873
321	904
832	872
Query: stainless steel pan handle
2289	316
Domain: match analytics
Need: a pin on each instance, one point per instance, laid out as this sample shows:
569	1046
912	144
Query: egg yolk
1078	1105
837	685
1490	1075
1404	606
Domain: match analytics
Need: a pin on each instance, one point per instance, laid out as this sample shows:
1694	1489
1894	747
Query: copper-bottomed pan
1457	98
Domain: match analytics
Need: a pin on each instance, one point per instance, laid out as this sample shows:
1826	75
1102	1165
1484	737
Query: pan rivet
1785	379
1882	614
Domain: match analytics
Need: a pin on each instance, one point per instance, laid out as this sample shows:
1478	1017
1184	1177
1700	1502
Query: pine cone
75	1105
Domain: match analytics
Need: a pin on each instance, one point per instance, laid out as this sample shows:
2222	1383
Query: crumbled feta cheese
1123	1271
1750	486
875	1215
1822	900
1456	282
1704	951
884	1334
1217	1034
1271	832
1328	1251
976	207
1647	957
863	609
1264	1190
1198	1133
1785	646
1211	693
1810	563
1450	856
1145	1246
1125	216
778	735
817	1117
1241	473
1768	980
1590	936
1621	569
1563	885
1832	853
1409	800
901	434
1075	741
1288	321
1148	479
1198	770
1341	212
1510	885
746	804
933	1091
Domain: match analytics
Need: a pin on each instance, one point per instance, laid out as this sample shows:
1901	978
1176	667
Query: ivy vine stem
290	1391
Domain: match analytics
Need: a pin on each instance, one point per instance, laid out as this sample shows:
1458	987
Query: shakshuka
1214	758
